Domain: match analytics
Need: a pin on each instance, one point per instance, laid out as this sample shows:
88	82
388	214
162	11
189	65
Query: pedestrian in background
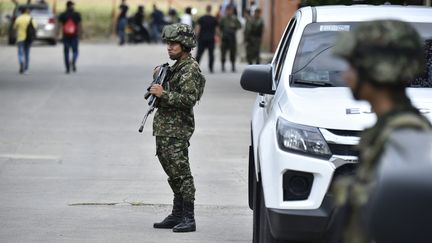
186	18
384	56
72	29
253	36
173	17
174	124
24	41
229	25
206	31
122	22
138	20
156	24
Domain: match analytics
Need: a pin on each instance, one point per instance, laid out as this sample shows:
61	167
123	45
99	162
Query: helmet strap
357	88
186	49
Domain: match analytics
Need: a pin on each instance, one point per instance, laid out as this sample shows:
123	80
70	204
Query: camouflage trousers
231	46
253	49
173	156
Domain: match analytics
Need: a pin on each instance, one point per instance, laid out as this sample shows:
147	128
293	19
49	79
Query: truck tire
265	235
263	226
251	177
256	199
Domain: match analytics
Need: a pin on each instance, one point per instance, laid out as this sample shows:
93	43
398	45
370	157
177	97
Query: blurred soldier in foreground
253	35
384	57
174	124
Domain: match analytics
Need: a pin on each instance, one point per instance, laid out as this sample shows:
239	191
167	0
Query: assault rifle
160	79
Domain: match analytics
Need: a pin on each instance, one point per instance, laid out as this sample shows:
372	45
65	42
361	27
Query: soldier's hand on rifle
156	90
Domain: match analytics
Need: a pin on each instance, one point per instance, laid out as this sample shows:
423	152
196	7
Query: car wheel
11	41
52	42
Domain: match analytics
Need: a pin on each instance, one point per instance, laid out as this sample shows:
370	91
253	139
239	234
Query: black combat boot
188	222
233	69
175	217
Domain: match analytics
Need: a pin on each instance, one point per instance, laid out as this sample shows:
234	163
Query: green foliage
96	23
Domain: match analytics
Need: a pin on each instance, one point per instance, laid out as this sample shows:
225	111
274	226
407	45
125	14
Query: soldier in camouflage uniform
384	56
174	124
253	34
229	26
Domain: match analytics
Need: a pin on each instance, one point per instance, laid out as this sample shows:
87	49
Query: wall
276	14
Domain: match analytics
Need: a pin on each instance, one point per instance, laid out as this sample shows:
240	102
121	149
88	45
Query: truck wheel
251	178
265	235
256	204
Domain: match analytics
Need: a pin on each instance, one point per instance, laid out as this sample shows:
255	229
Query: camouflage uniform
229	26
253	33
173	126
385	53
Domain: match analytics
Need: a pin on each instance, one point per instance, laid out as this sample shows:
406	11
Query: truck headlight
301	139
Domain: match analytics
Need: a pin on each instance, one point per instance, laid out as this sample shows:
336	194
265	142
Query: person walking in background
229	25
138	21
253	35
206	31
72	29
173	124
24	42
156	24
186	18
122	22
173	17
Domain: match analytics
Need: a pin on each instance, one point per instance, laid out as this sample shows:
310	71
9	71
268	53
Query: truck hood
335	108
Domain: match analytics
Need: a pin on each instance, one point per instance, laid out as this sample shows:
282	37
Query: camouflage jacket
253	30
229	26
353	192
174	116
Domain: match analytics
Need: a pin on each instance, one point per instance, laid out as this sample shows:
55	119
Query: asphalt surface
73	167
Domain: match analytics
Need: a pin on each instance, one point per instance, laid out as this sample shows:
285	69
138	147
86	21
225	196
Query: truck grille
347	133
343	149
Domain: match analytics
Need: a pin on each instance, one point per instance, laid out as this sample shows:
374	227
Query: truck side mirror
257	78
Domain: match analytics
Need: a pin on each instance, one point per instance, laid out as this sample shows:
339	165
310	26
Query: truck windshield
315	65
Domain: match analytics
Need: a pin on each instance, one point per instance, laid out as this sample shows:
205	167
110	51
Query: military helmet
181	33
386	52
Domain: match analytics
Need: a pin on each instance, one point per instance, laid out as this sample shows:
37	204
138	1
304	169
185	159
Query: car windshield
316	66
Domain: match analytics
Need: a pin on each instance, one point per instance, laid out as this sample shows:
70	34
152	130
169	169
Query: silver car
45	19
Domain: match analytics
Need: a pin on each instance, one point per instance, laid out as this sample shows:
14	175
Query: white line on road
30	156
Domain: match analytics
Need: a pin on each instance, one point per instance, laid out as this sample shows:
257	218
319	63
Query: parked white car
45	20
305	122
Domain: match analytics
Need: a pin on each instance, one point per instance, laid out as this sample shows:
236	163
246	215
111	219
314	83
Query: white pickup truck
305	122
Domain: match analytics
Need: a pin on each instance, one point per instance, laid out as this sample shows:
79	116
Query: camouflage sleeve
188	95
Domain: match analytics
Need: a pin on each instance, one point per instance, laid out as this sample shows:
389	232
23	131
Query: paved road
73	167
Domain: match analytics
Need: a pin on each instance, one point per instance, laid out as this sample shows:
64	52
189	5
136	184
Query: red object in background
216	39
51	21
